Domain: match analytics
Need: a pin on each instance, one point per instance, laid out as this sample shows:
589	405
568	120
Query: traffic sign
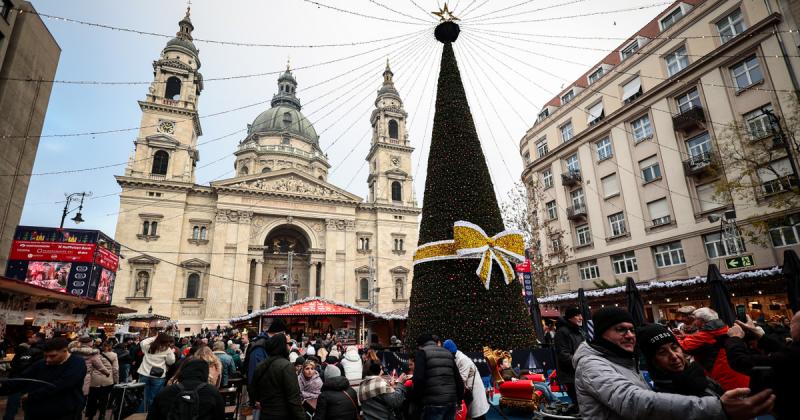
740	262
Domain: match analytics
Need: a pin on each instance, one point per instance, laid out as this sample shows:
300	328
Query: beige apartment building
629	155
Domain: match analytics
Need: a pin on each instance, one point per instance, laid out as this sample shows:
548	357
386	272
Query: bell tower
166	147
390	180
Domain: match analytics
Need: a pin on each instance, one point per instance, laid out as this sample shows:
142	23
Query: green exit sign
740	262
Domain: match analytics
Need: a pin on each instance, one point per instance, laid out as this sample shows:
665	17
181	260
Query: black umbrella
635	303
720	298
588	326
536	317
791	272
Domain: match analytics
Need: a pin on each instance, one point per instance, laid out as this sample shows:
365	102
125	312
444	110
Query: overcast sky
505	85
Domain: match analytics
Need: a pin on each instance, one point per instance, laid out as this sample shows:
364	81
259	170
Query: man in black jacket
193	374
275	385
438	386
338	400
568	337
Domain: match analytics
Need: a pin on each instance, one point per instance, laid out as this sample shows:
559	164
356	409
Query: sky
507	77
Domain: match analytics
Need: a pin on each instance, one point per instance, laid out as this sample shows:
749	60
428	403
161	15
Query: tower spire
185	25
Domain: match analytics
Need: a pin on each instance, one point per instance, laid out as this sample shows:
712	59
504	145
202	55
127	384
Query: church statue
141	285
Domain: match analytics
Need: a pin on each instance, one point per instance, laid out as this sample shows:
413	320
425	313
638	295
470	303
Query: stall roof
317	306
23	288
141	317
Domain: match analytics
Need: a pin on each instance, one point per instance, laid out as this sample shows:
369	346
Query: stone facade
277	231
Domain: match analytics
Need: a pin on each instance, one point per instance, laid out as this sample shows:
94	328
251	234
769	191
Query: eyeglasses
624	330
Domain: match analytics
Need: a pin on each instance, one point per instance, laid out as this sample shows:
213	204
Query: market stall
145	325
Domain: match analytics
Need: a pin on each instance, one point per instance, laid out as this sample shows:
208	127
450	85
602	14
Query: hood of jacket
85	351
335	383
194	370
352	355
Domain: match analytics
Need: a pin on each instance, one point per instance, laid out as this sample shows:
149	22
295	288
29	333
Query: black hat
651	336
571	312
606	318
277	326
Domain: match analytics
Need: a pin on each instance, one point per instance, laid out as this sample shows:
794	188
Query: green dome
280	119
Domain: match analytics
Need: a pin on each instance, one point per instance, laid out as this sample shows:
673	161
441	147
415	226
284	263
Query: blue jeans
546	393
12	406
152	386
124	372
439	412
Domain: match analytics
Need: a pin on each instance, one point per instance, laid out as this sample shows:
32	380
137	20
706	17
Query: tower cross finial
288	62
445	15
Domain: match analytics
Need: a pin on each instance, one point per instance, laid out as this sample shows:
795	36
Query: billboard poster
524	276
48	274
105	286
78	283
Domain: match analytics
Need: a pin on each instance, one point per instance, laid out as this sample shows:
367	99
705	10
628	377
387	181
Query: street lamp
74	197
727	229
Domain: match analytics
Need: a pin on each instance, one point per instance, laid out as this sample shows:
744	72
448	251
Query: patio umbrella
635	304
720	297
588	326
791	272
536	317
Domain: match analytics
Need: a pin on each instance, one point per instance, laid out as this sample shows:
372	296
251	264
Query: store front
144	325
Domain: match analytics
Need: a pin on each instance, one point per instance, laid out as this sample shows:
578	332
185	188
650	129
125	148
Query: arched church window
287	119
196	232
363	289
160	163
397	191
399	293
393	130
146	228
173	88
153	228
193	286
243	170
203	233
265	170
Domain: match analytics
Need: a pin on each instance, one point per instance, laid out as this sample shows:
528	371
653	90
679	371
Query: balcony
700	164
689	119
576	212
778	186
660	221
571	178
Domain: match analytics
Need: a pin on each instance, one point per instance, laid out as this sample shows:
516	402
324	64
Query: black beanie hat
572	311
607	317
651	336
277	326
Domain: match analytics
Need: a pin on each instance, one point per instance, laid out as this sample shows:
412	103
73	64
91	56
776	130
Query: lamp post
728	234
74	197
778	136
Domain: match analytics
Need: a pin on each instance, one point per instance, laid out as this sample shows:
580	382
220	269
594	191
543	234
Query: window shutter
705	193
647	162
595	112
610	185
631	88
658	209
780	167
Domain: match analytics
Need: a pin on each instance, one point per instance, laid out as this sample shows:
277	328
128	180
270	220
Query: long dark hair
161	343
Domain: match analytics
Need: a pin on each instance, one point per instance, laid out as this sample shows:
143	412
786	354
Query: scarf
373	386
602	344
692	381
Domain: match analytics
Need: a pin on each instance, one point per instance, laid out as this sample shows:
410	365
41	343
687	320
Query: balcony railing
689	119
700	164
576	212
661	221
571	178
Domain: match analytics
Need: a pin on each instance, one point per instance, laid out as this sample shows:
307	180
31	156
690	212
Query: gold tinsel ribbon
470	241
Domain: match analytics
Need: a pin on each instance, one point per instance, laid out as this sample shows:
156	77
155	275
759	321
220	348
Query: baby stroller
125	399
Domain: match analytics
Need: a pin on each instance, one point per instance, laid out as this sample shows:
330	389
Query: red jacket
707	343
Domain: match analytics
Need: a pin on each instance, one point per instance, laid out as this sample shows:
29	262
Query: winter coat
611	387
338	400
785	364
124	356
94	365
707	346
24	357
309	388
437	380
161	359
276	388
111	363
193	374
692	381
228	366
384	405
65	397
351	362
479	405
568	338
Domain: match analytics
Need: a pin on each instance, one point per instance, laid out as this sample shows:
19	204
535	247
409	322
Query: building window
543	114
567	132
730	26
746	73
758	124
146	228
716	247
578	198
624	263
589	270
706	195
777	177
630	49
160	163
5	10
584	235
572	163
567	96
363	289
669	254
603	149
398	244
278	299
555	245
610	185
659	212
149	228
287	119
393	129
688	100
632	90
667	21
552	209
363	243
785	232
547	178
397	191
617	224
699	147
541	148
203	233
193	286
650	169
527	157
676	61
596	75
641	128
173	88
196	232
595	114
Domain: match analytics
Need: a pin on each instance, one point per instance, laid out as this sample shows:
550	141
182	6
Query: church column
216	297
258	284
241	271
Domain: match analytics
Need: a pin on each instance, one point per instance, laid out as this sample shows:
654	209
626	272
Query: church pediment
287	182
194	263
176	64
143	260
162	140
397	173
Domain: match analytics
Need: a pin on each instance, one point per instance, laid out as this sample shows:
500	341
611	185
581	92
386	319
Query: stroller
125	399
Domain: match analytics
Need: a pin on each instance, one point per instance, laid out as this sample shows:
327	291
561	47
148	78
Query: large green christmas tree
448	298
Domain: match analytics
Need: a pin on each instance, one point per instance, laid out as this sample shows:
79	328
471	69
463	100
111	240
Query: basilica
277	231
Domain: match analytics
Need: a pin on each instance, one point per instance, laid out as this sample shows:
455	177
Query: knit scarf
373	386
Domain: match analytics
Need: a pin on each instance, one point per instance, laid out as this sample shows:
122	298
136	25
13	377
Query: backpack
186	405
259	342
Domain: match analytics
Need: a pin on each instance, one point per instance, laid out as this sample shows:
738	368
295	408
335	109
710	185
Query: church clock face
395	160
167	127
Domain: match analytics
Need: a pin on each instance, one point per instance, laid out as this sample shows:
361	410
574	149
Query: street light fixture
74	197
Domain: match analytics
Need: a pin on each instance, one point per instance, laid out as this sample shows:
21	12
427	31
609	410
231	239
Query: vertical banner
524	276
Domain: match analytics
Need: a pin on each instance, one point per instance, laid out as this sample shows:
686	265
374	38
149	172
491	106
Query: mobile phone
761	378
741	313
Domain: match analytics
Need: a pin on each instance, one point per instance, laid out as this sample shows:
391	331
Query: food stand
145	325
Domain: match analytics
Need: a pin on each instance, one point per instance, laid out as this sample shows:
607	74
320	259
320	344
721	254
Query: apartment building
629	154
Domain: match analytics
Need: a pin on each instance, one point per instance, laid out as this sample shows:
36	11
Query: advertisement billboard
74	261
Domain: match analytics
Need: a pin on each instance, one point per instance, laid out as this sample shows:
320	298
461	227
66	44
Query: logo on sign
80	276
81	268
77	292
78	283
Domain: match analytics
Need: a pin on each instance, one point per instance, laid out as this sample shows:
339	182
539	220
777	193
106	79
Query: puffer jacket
568	338
351	363
92	358
611	387
437	380
707	346
338	400
111	363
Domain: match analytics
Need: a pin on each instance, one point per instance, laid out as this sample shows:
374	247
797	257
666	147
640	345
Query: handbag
156	372
468	386
358	413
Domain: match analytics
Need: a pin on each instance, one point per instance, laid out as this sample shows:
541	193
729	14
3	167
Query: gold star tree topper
445	15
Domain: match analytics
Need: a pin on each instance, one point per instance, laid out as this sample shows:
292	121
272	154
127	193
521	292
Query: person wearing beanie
669	369
610	385
569	336
474	390
275	385
257	352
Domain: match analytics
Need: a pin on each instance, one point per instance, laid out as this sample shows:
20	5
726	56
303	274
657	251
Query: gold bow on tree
470	241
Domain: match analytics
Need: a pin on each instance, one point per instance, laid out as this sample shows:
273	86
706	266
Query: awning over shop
316	306
141	317
22	288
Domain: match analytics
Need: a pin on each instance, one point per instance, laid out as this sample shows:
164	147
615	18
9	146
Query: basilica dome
283	118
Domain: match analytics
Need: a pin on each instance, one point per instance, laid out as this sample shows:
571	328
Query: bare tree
522	210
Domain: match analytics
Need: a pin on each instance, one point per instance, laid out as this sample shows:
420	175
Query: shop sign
739	262
15	318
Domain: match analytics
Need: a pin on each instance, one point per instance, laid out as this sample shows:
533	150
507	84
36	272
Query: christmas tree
448	297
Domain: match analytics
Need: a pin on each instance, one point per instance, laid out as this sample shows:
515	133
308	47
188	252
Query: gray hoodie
611	387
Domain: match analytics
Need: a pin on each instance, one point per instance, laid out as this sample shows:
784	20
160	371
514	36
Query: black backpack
259	342
186	405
